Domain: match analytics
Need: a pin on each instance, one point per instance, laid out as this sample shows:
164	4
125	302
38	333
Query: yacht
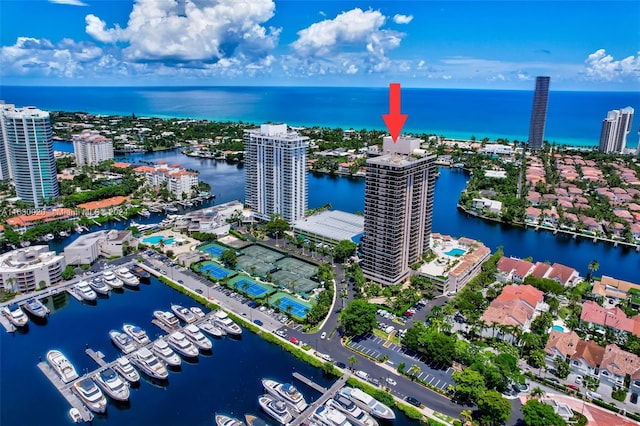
167	318
353	412
137	334
63	234
124	367
170	208
139	272
123	341
210	329
163	351
195	310
183	313
329	416
222	420
112	384
222	320
99	286
74	415
84	290
36	308
276	408
182	345
285	391
254	421
194	334
48	237
144	213
63	367
368	403
111	280
127	277
15	314
91	395
149	364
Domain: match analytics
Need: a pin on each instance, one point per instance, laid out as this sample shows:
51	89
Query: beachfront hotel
26	153
539	112
398	209
92	148
615	128
276	170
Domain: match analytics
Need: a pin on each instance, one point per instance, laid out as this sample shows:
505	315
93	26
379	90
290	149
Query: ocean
573	118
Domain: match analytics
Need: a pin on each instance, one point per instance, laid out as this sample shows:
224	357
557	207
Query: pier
313	385
97	356
326	394
65	391
7	324
71	291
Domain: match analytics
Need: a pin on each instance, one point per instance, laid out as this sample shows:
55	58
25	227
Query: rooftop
334	224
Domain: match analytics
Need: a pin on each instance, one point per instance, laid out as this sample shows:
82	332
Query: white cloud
352	69
69	2
402	19
602	66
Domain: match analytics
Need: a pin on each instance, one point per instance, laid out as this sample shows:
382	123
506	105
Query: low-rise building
561	345
177	180
596	317
330	227
516	306
587	358
512	269
616	364
613	288
31	268
487	205
212	220
89	247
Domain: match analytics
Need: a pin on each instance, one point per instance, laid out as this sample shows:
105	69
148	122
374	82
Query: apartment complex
276	170
26	153
28	269
539	112
177	180
87	248
398	210
615	128
91	148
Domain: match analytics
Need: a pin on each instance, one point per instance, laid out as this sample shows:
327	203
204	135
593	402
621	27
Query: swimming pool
558	328
455	252
169	241
153	240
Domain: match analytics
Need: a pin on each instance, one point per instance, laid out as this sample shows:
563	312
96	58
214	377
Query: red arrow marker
394	120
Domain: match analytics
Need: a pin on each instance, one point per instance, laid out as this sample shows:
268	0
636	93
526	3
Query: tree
414	371
562	368
469	385
352	360
493	407
344	249
68	273
537	392
277	226
229	258
536	413
358	318
593	267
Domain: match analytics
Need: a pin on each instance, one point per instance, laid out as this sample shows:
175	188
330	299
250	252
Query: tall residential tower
539	112
276	167
398	208
615	128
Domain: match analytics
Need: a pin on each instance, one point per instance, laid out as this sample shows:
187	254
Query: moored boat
91	395
222	320
15	315
210	329
36	308
368	403
276	408
287	392
112	384
137	334
98	285
353	412
163	351
167	318
62	366
222	420
252	420
199	313
74	415
124	367
84	290
329	416
127	277
111	280
182	345
193	333
123	341
183	313
149	364
139	272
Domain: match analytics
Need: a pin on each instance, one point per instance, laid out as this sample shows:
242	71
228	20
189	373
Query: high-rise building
5	168
276	167
91	148
615	128
398	208
539	112
28	142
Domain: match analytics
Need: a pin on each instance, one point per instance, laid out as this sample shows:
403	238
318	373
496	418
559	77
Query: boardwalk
309	382
65	391
325	396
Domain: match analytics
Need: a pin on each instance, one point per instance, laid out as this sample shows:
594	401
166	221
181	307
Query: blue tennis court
214	250
254	289
297	309
215	271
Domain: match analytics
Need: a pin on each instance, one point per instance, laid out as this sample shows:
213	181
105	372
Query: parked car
634	398
411	400
391	382
362	374
323	335
340	364
257	322
594	395
578	380
574	387
294	340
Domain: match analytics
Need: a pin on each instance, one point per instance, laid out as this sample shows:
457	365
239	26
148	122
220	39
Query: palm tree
467	417
537	392
593	267
352	361
414	371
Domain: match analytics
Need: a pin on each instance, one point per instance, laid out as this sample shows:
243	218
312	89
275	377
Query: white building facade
87	248
178	180
91	148
28	269
615	128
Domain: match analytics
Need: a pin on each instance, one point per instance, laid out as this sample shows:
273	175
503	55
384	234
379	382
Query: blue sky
582	45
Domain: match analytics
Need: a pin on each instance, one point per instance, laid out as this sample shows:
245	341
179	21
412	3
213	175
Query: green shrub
619	394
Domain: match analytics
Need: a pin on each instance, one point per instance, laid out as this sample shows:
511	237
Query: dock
313	385
97	356
65	391
326	394
7	324
74	294
163	326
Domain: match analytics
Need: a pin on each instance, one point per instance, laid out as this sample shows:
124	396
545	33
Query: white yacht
99	286
127	277
16	315
222	420
74	415
194	334
123	341
199	313
182	345
137	334
63	234
210	329
353	412
111	280
112	384
63	367
84	290
124	367
368	403
48	237
285	391
222	320
183	313
144	213
167	318
36	308
163	351
91	395
276	408
329	416
149	364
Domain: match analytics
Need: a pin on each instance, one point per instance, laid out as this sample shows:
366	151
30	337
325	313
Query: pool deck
187	247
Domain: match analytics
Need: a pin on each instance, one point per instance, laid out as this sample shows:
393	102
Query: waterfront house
598	318
533	215
541	270
512	269
613	288
487	205
534	198
563	274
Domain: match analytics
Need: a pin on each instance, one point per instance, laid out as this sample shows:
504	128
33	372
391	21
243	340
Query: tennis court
212	249
218	272
298	267
264	254
252	288
297	308
294	282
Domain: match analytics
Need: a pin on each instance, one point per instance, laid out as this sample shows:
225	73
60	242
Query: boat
276	408
149	364
368	403
111	280
74	415
112	384
123	341
329	416
15	315
222	320
193	333
163	351
48	237
137	334
144	213
84	290
63	234
170	208
99	286
222	420
62	366
167	318
139	272
210	329
127	277
182	345
183	313
124	367
285	391
36	308
353	412
195	310
254	420
91	395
